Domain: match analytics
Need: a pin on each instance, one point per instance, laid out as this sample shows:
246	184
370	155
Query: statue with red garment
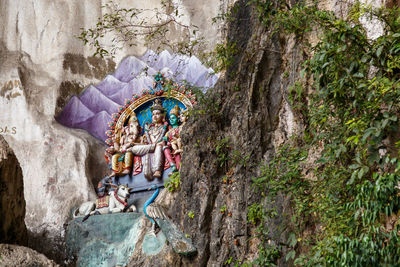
172	137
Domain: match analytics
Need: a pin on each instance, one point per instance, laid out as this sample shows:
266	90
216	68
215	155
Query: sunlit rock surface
17	256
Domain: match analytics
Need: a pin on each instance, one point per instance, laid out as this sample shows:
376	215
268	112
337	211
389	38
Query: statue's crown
132	118
175	110
157	105
159	77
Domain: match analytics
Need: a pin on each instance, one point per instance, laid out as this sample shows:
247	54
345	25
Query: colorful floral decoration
127	102
109	133
159	77
111	125
115	116
109	142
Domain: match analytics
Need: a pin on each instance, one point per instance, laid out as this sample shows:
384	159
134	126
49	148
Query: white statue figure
153	162
116	201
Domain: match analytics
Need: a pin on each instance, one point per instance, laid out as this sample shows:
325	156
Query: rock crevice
12	202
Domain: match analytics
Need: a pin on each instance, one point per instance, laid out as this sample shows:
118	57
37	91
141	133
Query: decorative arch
170	92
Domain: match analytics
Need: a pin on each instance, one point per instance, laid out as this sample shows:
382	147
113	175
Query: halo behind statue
169	92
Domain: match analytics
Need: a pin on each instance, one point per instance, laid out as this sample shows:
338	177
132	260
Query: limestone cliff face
12	202
35	37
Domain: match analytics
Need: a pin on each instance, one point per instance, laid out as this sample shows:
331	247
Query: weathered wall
34	39
16	256
249	108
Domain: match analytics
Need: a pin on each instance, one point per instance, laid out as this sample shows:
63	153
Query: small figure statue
153	162
122	157
103	186
113	149
172	137
132	134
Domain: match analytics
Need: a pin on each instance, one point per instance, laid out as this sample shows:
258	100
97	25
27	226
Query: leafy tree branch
128	26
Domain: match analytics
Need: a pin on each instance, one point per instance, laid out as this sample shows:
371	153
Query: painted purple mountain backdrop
92	110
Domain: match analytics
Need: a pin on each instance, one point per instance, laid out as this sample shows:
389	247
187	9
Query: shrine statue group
158	148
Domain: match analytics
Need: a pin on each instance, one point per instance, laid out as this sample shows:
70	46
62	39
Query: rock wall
244	115
247	115
15	256
12	202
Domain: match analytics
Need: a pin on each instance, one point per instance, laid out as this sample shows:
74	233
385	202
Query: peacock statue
152	210
157	215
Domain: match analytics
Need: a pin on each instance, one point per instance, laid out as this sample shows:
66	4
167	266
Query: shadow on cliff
12	202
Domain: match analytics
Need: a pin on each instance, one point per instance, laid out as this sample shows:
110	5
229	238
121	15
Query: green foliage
222	56
173	183
268	255
238	158
298	19
266	9
227	16
222	149
208	105
280	175
127	26
229	261
352	116
191	214
297	98
234	262
226	156
283	172
223	208
255	213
